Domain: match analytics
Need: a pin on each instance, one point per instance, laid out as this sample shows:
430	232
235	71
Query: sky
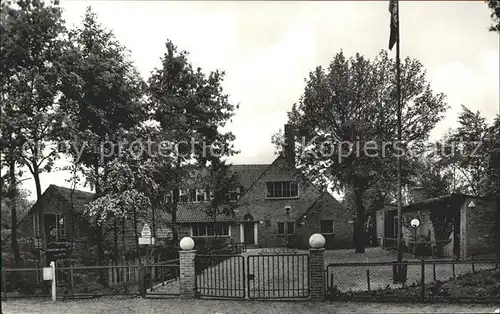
268	48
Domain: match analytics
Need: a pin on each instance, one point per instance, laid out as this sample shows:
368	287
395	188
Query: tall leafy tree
434	177
351	104
102	99
466	149
494	5
191	109
32	43
490	185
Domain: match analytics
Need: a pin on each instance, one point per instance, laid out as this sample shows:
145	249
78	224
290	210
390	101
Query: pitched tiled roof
455	197
192	212
248	174
80	198
186	212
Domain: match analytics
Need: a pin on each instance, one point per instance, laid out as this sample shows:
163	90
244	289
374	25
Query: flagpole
400	166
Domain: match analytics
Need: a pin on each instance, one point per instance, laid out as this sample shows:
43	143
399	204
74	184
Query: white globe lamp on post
317	241
415	223
187	244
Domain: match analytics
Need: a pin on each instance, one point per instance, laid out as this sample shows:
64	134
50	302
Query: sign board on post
47	273
146	232
146	241
164	233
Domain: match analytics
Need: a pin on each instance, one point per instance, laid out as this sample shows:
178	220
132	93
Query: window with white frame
56	227
209	230
282	189
183	196
327	227
201	195
169	198
234	194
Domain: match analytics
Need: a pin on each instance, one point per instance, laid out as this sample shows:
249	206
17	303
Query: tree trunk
13	208
176	193
137	247
175	236
359	225
115	250
359	232
124	250
41	215
99	230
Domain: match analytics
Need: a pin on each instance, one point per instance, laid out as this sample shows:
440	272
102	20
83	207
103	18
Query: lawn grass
355	278
483	286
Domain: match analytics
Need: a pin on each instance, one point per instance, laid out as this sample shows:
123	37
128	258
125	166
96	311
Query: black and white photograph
229	157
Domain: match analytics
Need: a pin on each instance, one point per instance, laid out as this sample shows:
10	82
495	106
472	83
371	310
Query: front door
248	233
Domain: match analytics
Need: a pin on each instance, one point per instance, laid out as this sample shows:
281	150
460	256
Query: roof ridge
75	190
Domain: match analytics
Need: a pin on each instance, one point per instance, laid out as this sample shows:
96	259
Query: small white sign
146	232
47	273
146	241
164	233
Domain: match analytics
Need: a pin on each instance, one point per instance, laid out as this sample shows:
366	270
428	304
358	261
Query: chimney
289	146
418	194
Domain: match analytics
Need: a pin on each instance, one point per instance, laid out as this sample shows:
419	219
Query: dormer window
183	196
282	189
234	194
192	195
201	195
169	198
197	195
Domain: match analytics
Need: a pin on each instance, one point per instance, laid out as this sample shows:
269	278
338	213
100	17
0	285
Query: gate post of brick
317	267
187	268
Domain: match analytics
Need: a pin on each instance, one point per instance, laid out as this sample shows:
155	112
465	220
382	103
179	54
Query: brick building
469	229
276	206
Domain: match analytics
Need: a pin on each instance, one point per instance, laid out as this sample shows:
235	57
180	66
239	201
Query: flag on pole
393	9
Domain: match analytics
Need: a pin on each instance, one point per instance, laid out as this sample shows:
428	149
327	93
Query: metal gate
162	280
278	276
220	276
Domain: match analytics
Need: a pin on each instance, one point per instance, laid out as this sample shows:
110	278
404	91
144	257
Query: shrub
124	287
88	287
333	293
211	245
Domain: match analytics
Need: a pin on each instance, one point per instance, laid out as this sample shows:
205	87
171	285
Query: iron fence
23	282
163	279
278	250
220	276
74	282
96	281
425	280
278	276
